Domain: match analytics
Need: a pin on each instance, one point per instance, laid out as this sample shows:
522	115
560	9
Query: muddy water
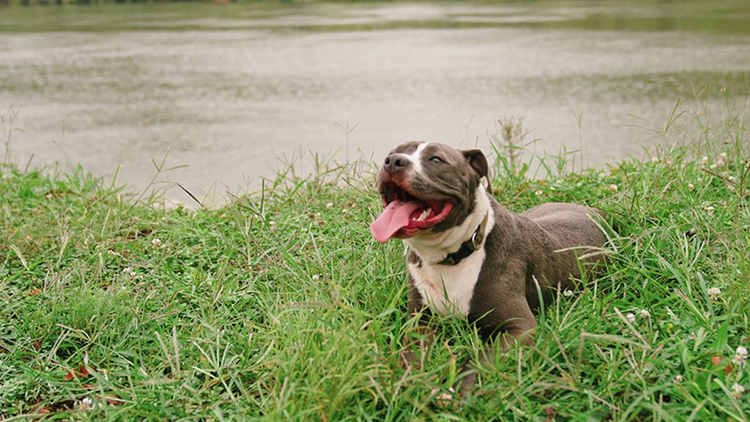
230	90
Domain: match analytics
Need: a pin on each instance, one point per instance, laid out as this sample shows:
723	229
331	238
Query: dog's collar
467	248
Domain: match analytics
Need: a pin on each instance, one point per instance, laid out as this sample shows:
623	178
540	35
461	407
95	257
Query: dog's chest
448	289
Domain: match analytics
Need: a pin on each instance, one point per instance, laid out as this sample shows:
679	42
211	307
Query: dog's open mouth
405	214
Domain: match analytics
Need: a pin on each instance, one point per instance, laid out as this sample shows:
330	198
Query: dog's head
427	187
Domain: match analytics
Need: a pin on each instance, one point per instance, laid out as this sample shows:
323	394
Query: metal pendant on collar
468	247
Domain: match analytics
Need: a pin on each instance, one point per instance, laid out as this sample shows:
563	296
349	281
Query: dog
470	257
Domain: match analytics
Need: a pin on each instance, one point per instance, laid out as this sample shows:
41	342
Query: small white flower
654	160
537	193
691	336
612	188
630	316
691	187
709	209
315	277
731	179
271	223
86	404
156	243
645	314
740	356
737	390
329	205
678	378
129	271
568	293
714	293
345	211
713	166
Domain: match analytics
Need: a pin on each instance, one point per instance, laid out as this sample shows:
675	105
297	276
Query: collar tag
469	246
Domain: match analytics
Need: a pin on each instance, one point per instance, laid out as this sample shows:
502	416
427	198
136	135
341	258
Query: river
235	92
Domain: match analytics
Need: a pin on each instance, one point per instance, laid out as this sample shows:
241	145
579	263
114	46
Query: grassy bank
280	306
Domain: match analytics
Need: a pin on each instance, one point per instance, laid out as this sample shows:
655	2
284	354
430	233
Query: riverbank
280	305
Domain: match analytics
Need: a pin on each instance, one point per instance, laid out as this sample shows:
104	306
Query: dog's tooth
423	216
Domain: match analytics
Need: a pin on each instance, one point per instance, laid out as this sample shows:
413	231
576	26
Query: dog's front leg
503	326
501	344
416	341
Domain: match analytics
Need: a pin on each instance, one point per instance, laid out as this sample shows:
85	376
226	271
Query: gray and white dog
470	257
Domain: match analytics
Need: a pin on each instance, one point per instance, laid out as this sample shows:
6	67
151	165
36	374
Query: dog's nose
395	162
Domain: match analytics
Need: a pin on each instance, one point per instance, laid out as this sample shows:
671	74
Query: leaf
115	401
729	368
716	360
80	373
33	292
550	412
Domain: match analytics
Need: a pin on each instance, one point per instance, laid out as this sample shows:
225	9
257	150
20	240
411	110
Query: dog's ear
478	162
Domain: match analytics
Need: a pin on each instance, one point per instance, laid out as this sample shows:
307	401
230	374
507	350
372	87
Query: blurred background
232	92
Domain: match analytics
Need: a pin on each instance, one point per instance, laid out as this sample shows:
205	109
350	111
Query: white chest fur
448	289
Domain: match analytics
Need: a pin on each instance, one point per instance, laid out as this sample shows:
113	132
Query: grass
281	306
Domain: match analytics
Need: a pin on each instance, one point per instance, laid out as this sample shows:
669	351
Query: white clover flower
271	223
85	404
714	293
704	161
678	378
740	356
156	243
537	193
329	205
645	314
737	390
568	293
345	211
316	277
630	316
612	188
691	187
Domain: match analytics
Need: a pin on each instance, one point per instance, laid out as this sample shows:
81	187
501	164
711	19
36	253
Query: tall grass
280	305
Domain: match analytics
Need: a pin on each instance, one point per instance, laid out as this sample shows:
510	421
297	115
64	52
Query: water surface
232	88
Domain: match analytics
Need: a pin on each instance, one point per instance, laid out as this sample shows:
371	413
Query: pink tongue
395	217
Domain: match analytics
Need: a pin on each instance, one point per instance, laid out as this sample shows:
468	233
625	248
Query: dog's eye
437	160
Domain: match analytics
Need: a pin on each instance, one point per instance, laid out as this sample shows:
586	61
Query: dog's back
573	232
